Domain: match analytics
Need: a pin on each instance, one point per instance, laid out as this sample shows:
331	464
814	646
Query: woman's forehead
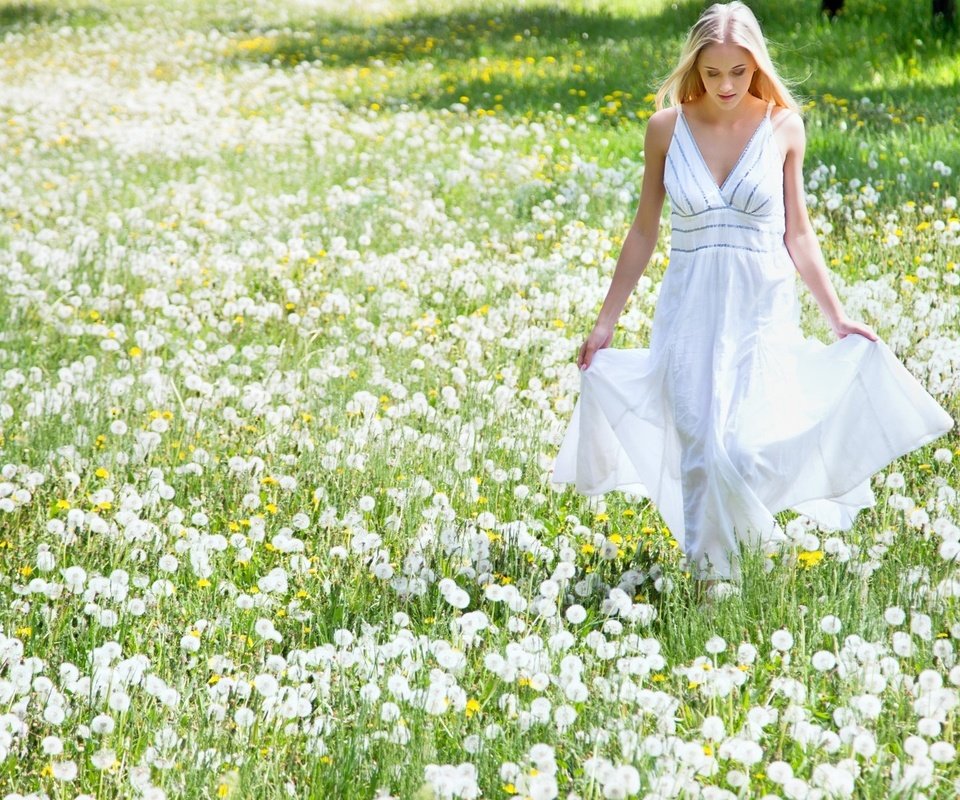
724	56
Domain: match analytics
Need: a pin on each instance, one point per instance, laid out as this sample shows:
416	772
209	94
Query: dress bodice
745	212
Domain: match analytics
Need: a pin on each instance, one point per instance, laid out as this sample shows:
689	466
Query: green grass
378	294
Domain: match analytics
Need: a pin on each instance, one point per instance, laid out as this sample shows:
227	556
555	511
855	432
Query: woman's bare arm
800	238
641	238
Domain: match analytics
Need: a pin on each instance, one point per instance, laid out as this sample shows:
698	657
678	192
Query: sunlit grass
292	297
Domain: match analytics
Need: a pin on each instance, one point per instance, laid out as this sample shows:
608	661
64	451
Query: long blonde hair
725	23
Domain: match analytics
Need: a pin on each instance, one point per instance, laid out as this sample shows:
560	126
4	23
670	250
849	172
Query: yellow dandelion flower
810	558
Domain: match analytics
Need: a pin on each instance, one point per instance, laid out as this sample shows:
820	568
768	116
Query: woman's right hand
599	337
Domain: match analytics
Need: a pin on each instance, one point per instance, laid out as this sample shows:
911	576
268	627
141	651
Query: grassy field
293	295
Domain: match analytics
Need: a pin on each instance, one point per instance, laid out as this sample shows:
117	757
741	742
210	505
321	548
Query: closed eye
737	72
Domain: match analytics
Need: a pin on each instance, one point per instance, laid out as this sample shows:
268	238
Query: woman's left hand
844	326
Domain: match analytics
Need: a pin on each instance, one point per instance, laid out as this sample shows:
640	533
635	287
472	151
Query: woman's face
726	71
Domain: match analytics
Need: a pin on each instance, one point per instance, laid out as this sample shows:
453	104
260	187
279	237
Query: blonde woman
732	415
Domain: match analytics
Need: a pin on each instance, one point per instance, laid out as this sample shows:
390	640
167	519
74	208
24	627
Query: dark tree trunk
832	7
945	11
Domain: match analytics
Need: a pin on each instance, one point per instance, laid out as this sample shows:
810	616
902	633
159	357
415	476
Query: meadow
293	296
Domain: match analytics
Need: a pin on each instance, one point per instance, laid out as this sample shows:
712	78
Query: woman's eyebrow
717	70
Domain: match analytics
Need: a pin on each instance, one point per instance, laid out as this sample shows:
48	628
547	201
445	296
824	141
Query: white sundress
732	415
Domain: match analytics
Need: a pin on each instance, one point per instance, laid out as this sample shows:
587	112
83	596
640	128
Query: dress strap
679	109
769	108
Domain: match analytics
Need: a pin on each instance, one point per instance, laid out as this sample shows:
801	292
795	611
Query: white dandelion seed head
831	624
781	639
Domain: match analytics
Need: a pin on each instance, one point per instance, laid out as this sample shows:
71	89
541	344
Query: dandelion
102	724
65	770
943	752
713	728
782	640
266	685
715	644
831	625
779	772
894	616
810	559
823	660
265	629
104	759
52	745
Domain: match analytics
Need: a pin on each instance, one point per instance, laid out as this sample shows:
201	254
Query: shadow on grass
541	58
16	15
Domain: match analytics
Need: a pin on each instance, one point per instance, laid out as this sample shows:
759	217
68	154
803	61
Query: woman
732	415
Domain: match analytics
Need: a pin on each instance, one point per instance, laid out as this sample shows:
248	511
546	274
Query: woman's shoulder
786	118
660	126
789	129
